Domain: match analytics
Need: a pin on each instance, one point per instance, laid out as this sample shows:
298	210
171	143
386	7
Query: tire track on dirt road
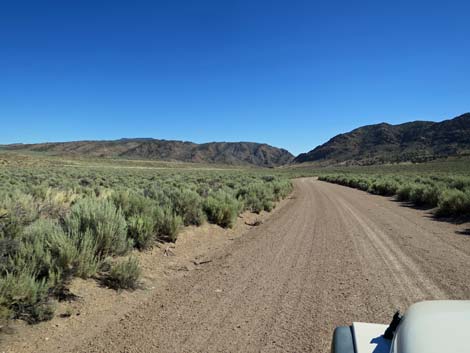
330	256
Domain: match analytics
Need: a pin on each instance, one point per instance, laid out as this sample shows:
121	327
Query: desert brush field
60	220
106	255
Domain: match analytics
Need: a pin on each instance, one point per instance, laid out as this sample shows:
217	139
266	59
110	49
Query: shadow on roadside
412	205
430	214
454	220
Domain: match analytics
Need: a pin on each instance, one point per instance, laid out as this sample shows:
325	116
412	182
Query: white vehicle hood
440	326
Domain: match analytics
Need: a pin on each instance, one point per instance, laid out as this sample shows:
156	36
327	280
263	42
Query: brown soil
329	256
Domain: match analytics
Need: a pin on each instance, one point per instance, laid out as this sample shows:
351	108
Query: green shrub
363	185
268	178
168	223
461	183
141	228
33	264
454	202
257	197
10	228
17	210
431	195
19	207
424	194
56	203
160	194
222	208
8	248
24	297
188	204
404	192
139	212
281	188
88	259
133	204
106	223
124	274
384	187
46	250
5	314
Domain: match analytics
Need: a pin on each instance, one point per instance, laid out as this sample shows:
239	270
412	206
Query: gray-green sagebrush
59	223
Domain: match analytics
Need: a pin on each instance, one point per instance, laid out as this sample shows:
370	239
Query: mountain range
232	153
416	141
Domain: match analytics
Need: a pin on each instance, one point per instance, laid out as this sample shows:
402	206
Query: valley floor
328	256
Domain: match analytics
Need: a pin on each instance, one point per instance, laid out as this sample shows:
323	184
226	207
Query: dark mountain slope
382	143
233	153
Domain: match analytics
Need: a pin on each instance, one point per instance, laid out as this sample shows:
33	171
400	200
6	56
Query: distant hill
416	141
233	153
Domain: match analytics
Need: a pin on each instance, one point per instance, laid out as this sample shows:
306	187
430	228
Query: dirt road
332	255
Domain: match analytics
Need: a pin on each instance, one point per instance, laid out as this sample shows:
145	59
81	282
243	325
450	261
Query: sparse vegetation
60	222
124	274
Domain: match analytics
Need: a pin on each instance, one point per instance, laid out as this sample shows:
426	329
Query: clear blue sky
288	73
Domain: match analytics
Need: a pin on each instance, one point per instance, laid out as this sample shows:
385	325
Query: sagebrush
60	222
